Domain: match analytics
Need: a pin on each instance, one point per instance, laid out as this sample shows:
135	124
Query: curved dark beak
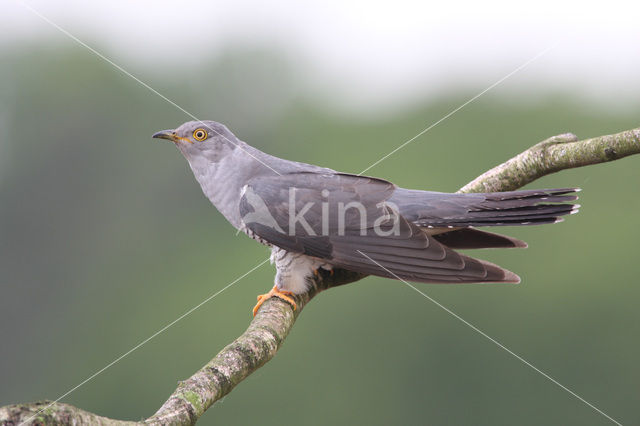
166	134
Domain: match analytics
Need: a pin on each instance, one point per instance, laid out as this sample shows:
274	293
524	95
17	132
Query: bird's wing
349	221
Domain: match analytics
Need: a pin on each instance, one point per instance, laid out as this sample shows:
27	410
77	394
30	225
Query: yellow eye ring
200	134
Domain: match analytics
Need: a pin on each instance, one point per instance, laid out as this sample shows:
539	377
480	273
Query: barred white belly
294	271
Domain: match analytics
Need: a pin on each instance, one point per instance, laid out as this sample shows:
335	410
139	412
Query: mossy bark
270	327
552	155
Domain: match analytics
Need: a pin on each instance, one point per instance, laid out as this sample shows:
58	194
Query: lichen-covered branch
53	413
552	155
243	356
266	333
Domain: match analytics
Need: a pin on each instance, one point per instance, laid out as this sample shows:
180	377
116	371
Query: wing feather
407	252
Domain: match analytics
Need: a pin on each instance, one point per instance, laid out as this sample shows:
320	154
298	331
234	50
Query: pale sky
369	52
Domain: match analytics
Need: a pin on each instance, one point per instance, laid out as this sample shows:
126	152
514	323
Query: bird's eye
200	134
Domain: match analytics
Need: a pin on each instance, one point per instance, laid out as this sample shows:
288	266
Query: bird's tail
528	207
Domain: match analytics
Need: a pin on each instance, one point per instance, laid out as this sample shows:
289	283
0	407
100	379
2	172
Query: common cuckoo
313	217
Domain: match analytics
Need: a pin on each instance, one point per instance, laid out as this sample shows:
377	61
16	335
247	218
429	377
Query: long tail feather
529	207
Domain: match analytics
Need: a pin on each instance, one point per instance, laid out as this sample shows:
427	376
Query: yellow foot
284	295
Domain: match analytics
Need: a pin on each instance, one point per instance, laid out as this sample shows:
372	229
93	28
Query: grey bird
314	217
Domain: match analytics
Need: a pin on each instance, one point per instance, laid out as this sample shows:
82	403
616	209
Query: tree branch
266	333
552	155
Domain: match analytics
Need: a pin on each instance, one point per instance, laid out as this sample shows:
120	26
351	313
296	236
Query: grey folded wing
350	222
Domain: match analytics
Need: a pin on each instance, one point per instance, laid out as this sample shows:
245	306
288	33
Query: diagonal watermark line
128	74
146	340
522	66
500	345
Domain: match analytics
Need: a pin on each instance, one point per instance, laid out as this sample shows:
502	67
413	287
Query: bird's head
198	139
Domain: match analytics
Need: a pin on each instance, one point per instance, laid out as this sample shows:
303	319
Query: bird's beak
166	134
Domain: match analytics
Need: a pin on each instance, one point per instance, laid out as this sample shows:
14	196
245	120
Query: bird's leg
284	295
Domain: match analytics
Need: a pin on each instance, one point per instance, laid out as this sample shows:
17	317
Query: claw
274	292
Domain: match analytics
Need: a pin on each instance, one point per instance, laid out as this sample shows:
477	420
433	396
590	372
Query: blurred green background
105	237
